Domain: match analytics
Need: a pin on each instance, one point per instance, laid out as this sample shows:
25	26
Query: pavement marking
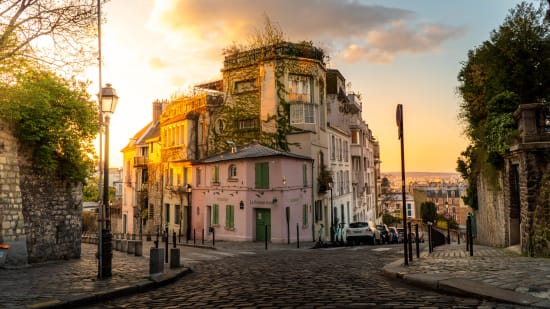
205	256
225	253
381	249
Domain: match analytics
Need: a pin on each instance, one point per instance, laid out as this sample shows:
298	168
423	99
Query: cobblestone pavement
286	278
247	275
490	272
43	283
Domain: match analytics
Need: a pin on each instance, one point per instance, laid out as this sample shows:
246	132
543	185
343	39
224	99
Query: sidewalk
493	273
71	283
66	284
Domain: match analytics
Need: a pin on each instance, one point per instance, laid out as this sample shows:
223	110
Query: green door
263	219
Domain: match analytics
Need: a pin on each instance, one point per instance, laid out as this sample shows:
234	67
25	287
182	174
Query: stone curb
155	281
461	286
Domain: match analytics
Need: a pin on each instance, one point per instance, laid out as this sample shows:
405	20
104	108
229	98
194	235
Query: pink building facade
252	194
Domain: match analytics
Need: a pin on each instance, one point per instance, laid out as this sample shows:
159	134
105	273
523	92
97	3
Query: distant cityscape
422	178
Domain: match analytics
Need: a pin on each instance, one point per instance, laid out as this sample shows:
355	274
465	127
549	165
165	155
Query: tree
270	34
54	120
510	68
388	219
428	212
56	33
91	188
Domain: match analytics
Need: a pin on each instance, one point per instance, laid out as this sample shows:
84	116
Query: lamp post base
106	254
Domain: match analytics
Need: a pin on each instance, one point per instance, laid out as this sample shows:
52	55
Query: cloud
157	63
363	32
383	45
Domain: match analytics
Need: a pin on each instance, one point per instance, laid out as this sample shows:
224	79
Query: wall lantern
274	200
241	205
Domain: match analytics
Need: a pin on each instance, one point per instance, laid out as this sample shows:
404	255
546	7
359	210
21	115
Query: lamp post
331	213
188	189
108	101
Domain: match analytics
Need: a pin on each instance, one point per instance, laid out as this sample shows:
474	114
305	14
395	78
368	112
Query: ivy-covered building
278	97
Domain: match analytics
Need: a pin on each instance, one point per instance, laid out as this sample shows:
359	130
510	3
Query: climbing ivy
539	237
54	119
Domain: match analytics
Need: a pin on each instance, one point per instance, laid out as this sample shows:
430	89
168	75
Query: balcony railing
282	49
298	97
140	161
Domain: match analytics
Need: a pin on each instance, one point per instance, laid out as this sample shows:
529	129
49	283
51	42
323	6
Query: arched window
220	126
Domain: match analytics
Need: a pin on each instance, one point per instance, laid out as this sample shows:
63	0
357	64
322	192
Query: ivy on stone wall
53	119
539	242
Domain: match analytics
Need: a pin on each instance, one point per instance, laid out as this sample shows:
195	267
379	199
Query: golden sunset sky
392	52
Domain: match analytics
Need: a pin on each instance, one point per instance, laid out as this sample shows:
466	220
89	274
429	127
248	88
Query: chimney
157	110
233	146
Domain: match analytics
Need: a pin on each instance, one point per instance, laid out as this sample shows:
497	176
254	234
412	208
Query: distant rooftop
301	50
253	150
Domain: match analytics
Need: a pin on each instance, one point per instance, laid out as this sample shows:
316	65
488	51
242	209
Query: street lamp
108	100
331	213
188	189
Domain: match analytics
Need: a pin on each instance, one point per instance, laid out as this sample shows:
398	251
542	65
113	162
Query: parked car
384	233
365	232
394	235
400	234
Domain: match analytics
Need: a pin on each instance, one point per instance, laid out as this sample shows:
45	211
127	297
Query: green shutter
304	172
258	170
262	175
229	216
217	174
215	219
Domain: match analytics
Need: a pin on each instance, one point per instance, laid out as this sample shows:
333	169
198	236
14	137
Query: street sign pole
399	119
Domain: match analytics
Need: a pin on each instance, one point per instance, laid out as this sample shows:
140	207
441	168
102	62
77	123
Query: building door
208	217
263	224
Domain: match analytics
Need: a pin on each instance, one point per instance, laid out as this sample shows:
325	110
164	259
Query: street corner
468	287
395	270
170	275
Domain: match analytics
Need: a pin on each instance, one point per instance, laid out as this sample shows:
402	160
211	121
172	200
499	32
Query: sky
390	51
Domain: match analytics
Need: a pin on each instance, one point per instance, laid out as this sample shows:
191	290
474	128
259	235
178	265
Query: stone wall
490	217
52	209
40	215
508	200
12	227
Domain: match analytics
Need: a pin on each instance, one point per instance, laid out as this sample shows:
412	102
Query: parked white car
365	232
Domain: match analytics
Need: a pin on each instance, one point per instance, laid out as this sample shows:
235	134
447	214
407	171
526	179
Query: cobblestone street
325	278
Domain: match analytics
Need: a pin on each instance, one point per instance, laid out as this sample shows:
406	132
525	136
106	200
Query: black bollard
468	227
213	237
194	238
471	236
448	233
410	242
417	242
297	236
430	237
203	236
266	237
458	236
179	235
174	238
166	245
